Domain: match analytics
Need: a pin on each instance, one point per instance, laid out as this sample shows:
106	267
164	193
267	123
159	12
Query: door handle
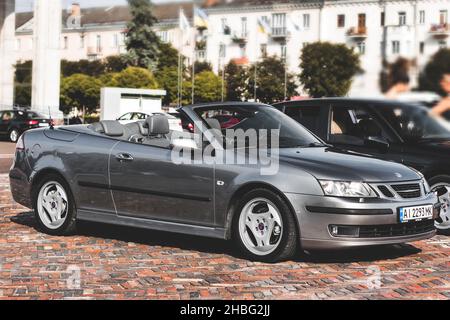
124	157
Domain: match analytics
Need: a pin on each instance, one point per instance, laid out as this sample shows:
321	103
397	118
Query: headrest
112	128
370	128
143	129
157	124
214	124
96	127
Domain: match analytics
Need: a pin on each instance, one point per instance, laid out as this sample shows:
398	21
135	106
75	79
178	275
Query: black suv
389	130
15	122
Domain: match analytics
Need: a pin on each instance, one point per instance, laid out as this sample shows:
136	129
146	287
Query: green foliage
115	63
168	80
80	91
134	77
236	81
168	56
270	81
89	68
433	72
141	41
200	66
22	83
328	69
208	87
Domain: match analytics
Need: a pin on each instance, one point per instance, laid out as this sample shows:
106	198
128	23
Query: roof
255	3
117	14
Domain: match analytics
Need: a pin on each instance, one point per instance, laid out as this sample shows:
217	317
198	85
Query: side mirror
186	144
378	143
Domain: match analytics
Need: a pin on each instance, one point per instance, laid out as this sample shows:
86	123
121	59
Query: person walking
442	109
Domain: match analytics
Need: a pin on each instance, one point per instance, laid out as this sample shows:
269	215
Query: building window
361	46
99	43
306	20
341	21
279	23
222	51
383	19
443	16
395	47
422	47
421	16
402	18
264	50
115	40
81	42
225	28
244	27
164	36
442	44
283	52
66	42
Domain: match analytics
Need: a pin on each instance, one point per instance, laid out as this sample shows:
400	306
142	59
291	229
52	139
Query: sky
27	5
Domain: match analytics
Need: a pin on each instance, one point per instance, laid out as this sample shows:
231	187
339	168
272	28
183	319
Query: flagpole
180	39
194	57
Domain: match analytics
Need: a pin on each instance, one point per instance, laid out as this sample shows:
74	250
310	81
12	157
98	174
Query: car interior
154	131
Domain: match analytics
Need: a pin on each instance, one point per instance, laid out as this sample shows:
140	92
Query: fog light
344	231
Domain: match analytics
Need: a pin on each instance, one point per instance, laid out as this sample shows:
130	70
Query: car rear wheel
14	135
54	207
443	223
264	227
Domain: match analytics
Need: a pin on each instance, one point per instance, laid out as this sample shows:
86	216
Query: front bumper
314	224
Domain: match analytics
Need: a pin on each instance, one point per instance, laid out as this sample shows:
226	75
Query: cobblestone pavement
107	262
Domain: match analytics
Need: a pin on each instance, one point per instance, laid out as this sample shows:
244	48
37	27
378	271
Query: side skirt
106	218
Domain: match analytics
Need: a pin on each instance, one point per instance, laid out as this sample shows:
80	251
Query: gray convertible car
318	198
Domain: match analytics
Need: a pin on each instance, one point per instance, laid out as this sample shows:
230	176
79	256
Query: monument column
7	53
46	59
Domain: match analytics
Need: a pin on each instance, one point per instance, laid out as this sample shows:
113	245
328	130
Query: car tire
443	224
54	207
14	135
264	227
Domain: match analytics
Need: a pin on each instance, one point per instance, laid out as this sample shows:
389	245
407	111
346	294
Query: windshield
416	123
259	117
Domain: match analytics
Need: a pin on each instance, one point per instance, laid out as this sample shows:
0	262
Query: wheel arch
40	175
246	188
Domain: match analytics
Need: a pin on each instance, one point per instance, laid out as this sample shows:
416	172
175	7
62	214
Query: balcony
240	37
357	32
279	33
441	30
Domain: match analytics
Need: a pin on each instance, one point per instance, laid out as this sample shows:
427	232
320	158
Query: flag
263	26
293	25
184	23
200	18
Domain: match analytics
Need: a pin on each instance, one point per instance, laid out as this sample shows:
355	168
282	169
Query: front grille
384	190
408	191
396	230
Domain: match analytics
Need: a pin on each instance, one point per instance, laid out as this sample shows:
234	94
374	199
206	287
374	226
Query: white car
174	123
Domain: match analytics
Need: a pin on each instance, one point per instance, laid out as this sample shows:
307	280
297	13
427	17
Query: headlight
426	186
347	189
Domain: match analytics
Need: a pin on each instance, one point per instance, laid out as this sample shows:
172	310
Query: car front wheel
443	223
54	207
14	135
264	227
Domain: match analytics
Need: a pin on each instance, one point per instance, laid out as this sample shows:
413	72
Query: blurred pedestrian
400	85
442	109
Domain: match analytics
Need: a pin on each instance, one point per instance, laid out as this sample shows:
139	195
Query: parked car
15	122
174	123
389	130
319	198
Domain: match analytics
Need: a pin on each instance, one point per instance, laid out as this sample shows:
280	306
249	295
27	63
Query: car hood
435	144
336	164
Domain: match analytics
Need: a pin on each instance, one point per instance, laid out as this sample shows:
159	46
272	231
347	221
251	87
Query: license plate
416	213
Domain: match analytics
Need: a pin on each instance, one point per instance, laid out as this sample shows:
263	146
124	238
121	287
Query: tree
431	75
141	41
115	63
80	91
134	77
168	56
90	68
200	66
328	69
168	80
236	81
208	87
270	81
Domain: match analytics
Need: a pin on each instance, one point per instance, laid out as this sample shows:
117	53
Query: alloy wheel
445	210
52	205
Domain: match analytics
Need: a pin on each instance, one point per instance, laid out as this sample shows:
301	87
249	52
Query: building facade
246	30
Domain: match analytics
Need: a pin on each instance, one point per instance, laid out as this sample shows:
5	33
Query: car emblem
398	175
220	183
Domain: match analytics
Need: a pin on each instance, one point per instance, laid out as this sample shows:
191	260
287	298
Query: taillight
20	146
191	127
32	122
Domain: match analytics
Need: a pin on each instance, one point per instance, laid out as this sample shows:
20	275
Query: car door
146	183
356	127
